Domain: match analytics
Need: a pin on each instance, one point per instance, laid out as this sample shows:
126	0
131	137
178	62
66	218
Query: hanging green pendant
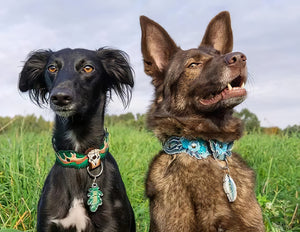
94	197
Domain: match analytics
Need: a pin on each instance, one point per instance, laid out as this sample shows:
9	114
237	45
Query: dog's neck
78	133
222	127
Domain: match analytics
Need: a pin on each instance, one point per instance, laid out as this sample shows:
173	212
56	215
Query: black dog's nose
61	97
235	58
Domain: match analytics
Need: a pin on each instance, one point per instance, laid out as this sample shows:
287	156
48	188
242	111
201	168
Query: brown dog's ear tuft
157	48
218	33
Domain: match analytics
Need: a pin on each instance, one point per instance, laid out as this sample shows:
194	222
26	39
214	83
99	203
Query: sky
267	31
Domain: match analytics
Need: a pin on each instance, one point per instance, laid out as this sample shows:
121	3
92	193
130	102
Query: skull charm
94	158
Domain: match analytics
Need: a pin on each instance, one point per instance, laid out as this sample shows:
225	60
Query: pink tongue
213	100
225	94
235	92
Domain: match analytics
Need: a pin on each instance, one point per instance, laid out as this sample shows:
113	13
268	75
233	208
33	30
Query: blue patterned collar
200	149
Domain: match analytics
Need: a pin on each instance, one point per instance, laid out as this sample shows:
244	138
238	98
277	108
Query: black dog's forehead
73	54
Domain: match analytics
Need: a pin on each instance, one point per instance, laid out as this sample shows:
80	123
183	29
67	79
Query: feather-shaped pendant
229	188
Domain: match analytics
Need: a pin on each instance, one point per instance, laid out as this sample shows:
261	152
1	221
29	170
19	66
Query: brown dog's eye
88	69
194	65
52	69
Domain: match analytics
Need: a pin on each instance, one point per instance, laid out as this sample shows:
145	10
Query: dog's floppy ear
157	48
120	74
32	76
218	33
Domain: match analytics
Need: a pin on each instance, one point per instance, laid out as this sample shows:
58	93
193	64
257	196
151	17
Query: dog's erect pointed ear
157	48
120	74
32	77
218	33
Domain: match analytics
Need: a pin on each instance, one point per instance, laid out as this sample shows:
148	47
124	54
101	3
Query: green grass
26	157
276	160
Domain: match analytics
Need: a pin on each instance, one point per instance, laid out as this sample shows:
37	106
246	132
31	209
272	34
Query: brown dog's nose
235	58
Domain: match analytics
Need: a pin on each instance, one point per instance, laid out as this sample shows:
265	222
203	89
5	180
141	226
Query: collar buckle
94	158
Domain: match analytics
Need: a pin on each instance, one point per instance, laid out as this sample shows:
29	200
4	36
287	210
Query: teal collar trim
92	157
199	148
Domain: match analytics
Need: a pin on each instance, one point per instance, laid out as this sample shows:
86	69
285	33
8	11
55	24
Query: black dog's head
190	82
76	80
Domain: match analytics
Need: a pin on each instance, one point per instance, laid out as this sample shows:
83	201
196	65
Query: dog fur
77	83
191	101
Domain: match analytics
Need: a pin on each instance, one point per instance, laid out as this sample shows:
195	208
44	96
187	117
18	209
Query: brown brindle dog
195	92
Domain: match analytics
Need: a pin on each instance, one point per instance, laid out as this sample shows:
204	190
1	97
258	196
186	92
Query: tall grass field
26	158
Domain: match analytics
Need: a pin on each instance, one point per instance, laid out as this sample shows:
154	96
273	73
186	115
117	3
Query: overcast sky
267	31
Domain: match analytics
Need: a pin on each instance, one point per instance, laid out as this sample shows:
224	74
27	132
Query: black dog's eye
194	65
52	69
88	69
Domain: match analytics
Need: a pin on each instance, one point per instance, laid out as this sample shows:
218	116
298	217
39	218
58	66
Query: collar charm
94	158
94	193
229	188
201	149
94	197
95	155
90	160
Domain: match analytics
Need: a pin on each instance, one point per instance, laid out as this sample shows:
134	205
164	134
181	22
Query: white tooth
229	86
243	85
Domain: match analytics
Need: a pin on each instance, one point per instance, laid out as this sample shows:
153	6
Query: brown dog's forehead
196	53
183	57
201	51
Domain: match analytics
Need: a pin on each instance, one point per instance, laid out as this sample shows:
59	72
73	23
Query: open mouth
236	88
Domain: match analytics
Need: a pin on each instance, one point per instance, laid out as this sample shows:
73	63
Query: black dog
84	190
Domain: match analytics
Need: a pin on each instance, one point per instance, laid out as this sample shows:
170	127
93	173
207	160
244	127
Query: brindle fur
187	194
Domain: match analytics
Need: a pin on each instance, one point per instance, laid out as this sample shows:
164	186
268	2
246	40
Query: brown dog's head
201	80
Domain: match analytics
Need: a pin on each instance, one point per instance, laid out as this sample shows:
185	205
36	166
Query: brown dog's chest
187	173
188	186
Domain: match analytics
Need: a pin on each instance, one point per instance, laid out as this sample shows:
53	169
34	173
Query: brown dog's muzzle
235	59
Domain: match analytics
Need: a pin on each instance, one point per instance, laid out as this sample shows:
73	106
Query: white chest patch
72	137
76	217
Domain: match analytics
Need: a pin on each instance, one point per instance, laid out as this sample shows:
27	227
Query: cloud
266	31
